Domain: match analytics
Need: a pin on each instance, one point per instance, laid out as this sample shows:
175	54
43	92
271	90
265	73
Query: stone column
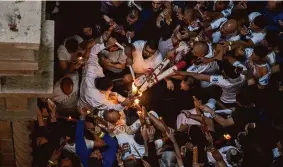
6	145
22	142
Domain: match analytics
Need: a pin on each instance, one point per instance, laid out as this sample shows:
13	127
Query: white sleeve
63	54
158	144
139	45
219	81
257	37
95	98
101	103
96	49
264	80
158	59
216	23
198	69
271	58
239	64
78	38
226	12
248	52
135	126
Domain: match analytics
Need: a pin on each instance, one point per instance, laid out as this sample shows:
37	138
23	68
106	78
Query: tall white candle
119	45
132	72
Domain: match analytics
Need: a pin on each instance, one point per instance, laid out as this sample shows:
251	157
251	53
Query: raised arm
201	77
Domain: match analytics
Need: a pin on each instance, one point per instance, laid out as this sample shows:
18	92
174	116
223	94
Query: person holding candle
95	87
103	141
143	57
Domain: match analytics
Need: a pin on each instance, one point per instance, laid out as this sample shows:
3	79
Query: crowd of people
169	84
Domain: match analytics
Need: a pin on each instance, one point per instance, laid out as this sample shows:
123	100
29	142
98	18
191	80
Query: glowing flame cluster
227	136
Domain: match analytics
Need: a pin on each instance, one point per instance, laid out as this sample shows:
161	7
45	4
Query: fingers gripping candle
168	72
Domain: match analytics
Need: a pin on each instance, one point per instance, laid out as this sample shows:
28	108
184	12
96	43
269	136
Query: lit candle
227	136
134	89
137	101
70	118
132	72
88	112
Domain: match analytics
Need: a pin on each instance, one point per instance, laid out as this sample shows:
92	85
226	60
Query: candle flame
69	117
134	89
137	101
227	136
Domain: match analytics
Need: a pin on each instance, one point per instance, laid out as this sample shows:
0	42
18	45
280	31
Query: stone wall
26	73
6	145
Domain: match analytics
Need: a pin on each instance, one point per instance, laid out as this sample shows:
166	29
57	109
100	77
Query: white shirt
62	51
216	36
209	68
72	148
90	96
270	57
141	65
230	87
124	138
255	37
263	80
65	102
115	57
165	46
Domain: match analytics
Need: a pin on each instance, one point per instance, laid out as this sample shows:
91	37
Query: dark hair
133	163
72	45
226	3
71	156
92	161
103	83
67	81
133	12
153	44
229	70
261	21
261	51
272	38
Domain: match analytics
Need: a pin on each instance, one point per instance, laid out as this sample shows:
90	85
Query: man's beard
144	57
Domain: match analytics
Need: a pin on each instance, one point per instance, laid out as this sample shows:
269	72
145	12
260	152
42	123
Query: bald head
200	49
229	27
111	116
